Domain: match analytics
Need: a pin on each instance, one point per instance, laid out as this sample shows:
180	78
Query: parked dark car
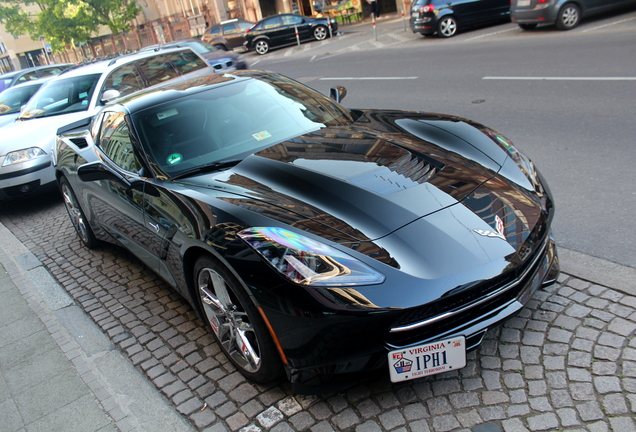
10	79
227	35
566	14
445	18
280	30
220	60
313	239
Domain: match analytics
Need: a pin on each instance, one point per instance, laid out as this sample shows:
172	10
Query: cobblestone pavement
566	362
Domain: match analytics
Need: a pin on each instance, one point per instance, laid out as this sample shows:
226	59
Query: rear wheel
528	26
447	26
236	323
320	32
569	17
78	219
261	47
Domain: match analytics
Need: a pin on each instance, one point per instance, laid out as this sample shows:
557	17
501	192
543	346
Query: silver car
76	95
566	14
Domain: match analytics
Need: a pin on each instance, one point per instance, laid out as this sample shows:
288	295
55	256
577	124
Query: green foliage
64	22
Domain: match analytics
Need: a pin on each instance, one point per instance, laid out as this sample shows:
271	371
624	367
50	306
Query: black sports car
287	29
314	239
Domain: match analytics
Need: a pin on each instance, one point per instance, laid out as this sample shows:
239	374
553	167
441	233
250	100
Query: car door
118	205
233	35
296	22
277	33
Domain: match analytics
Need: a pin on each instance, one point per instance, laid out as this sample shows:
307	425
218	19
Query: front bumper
26	178
472	322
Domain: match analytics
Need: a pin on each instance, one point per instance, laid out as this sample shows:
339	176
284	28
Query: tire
447	26
528	26
235	322
321	32
76	214
261	46
569	17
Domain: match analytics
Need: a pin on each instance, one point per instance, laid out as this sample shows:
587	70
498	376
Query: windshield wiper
214	166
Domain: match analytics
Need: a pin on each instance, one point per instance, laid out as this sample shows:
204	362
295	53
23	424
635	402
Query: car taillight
543	1
427	8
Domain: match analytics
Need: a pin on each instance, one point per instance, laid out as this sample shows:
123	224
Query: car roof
102	66
39	81
33	68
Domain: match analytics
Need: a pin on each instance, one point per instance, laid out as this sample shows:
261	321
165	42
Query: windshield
230	122
62	97
12	99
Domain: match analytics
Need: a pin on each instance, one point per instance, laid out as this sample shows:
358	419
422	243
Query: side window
292	20
28	77
272	23
115	142
156	69
124	79
50	72
230	29
215	31
186	61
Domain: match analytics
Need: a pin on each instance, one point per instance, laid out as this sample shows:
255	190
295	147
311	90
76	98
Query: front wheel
569	17
447	26
320	33
527	26
236	323
261	47
78	219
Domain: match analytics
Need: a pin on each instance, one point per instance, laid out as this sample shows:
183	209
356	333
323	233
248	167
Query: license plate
428	359
415	14
523	3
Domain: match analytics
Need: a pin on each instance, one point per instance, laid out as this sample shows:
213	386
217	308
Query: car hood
36	132
382	173
7	119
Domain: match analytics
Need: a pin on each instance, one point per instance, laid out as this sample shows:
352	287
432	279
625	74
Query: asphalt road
565	98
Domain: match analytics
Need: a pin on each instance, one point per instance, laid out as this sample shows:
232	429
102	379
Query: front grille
474	302
21	190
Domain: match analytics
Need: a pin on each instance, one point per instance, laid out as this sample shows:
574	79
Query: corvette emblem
499	225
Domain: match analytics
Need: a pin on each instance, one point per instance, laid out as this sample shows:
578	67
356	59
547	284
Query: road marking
365	78
562	78
607	25
491	34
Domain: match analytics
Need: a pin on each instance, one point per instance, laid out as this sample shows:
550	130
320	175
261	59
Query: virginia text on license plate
428	359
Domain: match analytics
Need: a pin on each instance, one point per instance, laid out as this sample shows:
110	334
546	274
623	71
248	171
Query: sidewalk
58	372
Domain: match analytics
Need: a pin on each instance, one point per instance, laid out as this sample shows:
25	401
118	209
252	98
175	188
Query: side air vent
79	142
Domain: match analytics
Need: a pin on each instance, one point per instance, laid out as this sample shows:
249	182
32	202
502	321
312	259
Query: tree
64	22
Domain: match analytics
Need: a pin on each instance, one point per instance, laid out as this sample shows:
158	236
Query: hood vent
404	173
79	142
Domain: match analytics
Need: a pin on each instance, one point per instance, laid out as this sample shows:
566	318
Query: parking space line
365	78
561	78
608	25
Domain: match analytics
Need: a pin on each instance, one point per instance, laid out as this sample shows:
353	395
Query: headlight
308	262
520	159
24	155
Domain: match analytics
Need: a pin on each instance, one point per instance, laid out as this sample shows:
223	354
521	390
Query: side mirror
99	171
110	95
337	93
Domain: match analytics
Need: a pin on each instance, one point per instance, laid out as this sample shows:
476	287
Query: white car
26	145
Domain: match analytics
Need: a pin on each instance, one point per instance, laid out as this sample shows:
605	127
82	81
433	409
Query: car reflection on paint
316	241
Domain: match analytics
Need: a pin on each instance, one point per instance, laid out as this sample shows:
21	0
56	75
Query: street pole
375	31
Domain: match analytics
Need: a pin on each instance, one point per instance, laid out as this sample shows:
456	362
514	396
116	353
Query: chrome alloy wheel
261	47
229	321
570	16
447	26
320	33
75	213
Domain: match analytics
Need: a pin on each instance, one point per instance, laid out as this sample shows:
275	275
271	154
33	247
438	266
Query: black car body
280	30
445	18
328	240
227	35
566	14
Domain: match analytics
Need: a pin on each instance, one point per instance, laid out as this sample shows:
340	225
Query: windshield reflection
62	97
232	121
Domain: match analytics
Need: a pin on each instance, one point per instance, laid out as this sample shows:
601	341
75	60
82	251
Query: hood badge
499	226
